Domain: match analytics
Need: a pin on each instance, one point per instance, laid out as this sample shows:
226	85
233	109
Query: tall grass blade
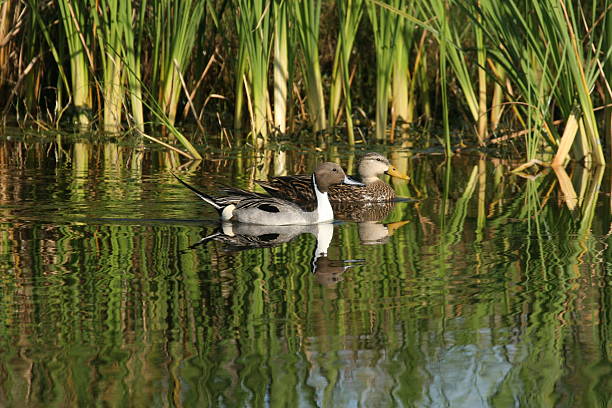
567	140
253	23
537	45
110	37
177	28
400	107
349	14
386	31
448	30
443	38
157	111
74	18
132	52
498	95
608	77
481	54
281	65
239	74
579	72
42	25
403	80
306	16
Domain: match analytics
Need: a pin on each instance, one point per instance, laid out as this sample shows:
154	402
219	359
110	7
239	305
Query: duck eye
334	170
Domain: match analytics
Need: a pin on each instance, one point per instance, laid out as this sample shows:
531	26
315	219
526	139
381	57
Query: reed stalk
253	23
32	86
306	16
607	79
62	80
349	14
481	54
498	96
400	107
403	91
5	31
133	37
385	26
176	28
583	74
423	83
443	38
240	71
281	65
110	37
448	30
156	111
74	19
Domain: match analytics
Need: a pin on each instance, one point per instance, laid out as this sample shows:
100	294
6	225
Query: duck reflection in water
240	237
369	217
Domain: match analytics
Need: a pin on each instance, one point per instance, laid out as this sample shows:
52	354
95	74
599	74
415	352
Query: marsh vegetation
487	285
533	74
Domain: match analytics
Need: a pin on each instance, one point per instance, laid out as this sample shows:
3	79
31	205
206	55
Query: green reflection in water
448	302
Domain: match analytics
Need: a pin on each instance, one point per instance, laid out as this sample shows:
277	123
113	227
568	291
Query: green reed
110	37
386	29
520	64
75	21
550	56
61	82
443	31
607	62
449	30
133	37
283	54
253	24
306	15
349	14
176	28
104	49
401	105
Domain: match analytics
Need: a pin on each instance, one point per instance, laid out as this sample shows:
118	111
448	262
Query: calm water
487	290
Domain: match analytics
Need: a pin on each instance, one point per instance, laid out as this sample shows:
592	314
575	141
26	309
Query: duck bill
394	226
394	172
352	182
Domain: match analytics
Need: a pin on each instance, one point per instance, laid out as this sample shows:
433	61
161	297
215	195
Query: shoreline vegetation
534	72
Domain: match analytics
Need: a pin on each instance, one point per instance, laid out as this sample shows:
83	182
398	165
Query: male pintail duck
372	165
254	208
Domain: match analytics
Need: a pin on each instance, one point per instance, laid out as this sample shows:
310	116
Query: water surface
483	290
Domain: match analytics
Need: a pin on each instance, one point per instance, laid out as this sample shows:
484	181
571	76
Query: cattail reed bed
540	68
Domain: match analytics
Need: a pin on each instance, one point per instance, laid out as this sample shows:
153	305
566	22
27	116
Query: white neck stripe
324	209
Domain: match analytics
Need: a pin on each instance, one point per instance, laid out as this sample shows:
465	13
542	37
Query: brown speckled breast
378	191
361	211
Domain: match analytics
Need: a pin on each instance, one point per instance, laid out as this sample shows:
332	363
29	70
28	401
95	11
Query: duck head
328	174
374	164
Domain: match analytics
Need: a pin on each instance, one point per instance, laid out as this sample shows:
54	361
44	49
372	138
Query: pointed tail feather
210	200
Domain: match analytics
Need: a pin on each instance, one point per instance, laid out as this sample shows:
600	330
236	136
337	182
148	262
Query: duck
298	187
256	208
